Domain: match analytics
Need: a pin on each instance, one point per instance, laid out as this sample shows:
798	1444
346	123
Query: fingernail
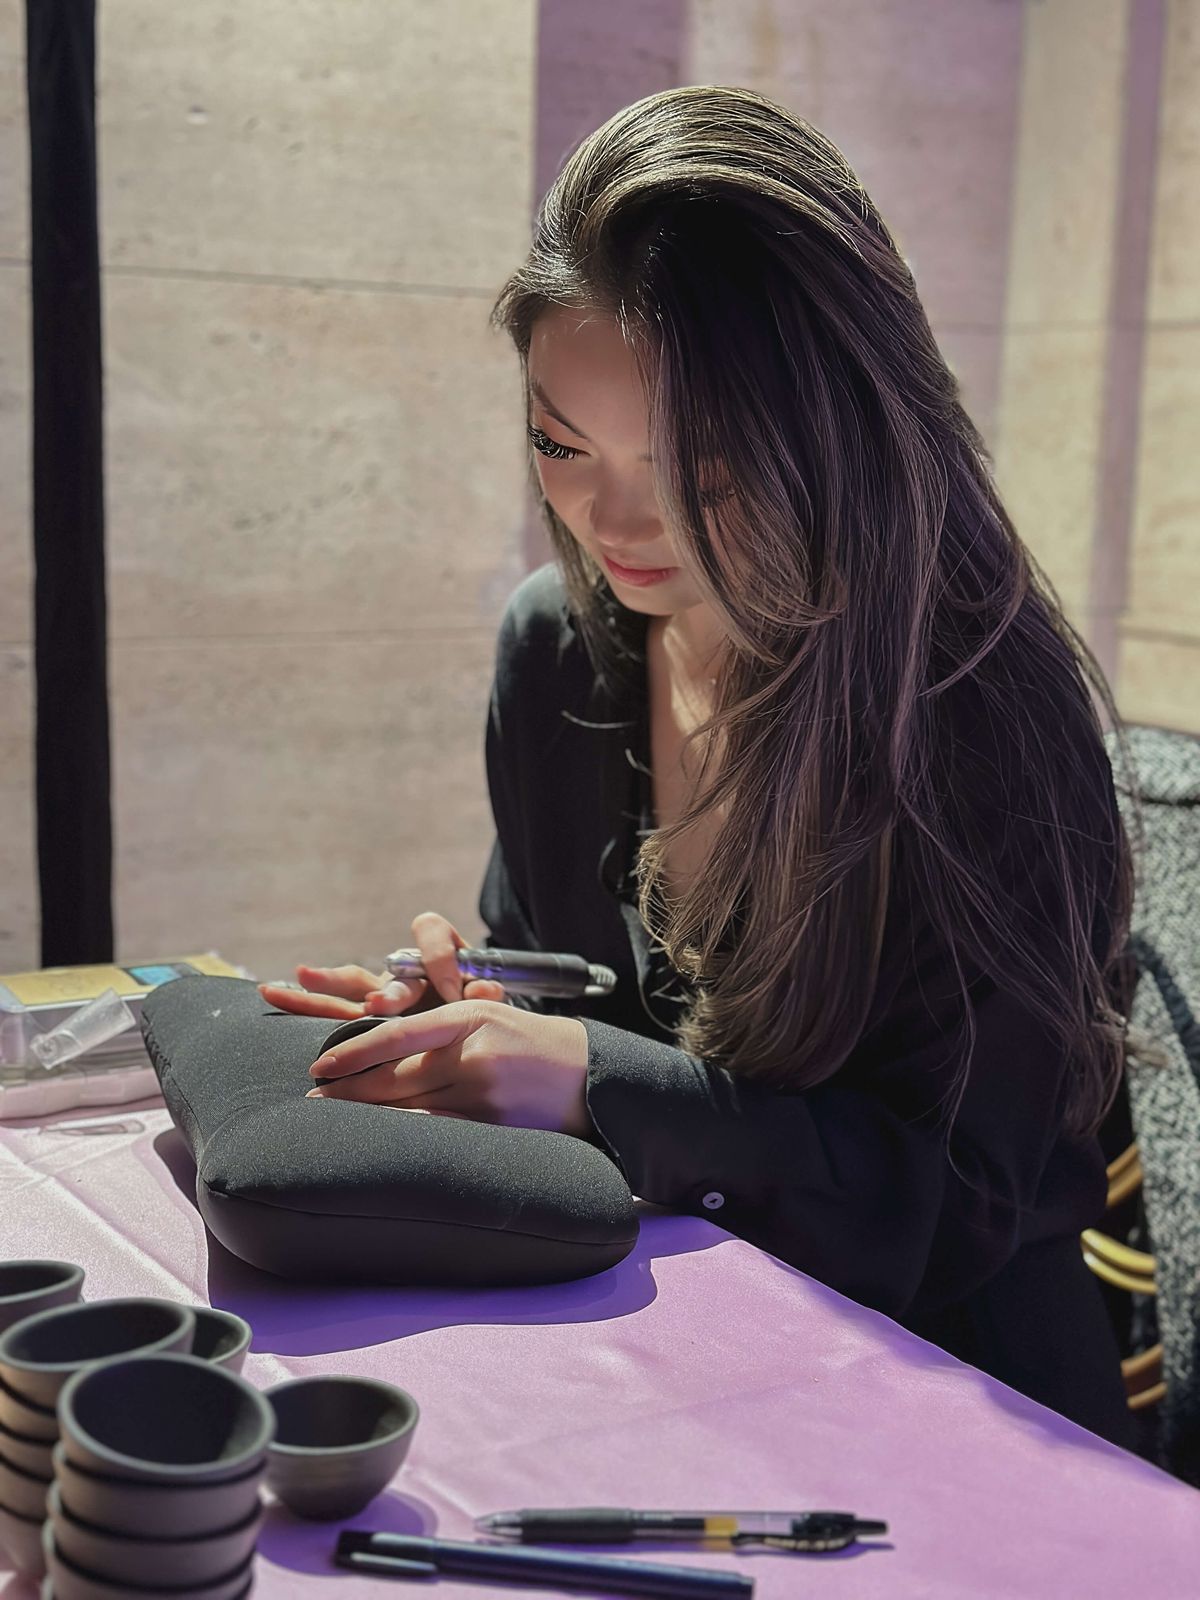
315	1094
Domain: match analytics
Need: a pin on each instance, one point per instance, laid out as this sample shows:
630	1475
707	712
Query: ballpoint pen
522	972
771	1530
527	972
401	1555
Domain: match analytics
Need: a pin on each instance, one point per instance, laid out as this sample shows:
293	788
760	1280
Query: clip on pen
401	1555
802	1531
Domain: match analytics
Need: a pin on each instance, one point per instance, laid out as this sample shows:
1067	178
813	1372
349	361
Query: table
700	1373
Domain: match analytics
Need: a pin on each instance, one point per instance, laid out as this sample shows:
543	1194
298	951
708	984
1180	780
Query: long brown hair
868	578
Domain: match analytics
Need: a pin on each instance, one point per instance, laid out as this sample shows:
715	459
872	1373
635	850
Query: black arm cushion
333	1191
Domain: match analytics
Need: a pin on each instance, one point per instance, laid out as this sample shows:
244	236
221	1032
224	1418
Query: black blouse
851	1180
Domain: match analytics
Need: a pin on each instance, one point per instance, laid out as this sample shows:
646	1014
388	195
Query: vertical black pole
74	824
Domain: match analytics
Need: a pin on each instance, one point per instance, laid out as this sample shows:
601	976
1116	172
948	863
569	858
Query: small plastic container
92	1025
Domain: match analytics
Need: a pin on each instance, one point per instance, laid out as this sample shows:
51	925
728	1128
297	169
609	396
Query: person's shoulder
537	619
541	661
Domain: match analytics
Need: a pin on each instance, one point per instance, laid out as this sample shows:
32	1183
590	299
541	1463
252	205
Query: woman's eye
546	445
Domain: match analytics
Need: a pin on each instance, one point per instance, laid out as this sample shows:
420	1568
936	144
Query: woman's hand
476	1059
351	991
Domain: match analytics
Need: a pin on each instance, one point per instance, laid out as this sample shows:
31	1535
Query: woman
794	738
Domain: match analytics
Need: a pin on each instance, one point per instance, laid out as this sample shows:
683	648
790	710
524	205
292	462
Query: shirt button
713	1200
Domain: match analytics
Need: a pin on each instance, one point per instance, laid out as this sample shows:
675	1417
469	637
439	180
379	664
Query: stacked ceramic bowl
28	1428
41	1352
156	1482
37	1356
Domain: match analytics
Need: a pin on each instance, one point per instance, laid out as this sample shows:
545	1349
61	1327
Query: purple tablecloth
699	1373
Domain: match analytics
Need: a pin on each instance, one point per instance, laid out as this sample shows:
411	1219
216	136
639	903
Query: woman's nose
622	526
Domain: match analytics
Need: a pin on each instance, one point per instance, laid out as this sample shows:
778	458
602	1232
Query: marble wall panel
16	554
1068	163
19	909
922	100
1048	456
14	142
1164	593
1159	681
973	355
365	140
1160	649
286	459
283	803
593	61
1175	279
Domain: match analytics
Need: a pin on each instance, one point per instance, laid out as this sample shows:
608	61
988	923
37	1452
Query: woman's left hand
480	1059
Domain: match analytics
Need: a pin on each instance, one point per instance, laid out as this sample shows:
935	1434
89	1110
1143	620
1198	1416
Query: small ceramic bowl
221	1338
22	1538
29	1286
22	1492
338	1442
164	1419
46	1592
31	1455
70	1581
151	1561
38	1355
30	1421
184	1511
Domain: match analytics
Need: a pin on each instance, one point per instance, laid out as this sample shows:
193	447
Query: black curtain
74	823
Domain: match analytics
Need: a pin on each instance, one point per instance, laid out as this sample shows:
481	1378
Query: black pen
778	1530
402	1555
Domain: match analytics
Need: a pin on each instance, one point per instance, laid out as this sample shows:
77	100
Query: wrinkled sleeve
851	1181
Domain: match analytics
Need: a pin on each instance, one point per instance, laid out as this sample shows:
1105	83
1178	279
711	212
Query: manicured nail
315	1094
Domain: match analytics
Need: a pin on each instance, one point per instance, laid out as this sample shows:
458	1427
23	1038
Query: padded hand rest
331	1190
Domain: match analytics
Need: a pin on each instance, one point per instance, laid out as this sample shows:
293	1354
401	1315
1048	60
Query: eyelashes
545	445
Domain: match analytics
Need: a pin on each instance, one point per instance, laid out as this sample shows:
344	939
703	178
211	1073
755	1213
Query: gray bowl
70	1581
22	1538
29	1286
184	1511
23	1493
46	1592
221	1338
338	1442
31	1455
38	1355
21	1416
164	1419
149	1561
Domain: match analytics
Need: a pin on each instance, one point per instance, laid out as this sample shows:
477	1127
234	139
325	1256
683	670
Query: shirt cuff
656	1112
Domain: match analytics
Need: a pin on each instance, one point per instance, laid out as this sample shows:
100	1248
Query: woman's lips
639	577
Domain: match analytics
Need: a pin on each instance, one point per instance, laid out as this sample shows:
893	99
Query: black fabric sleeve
852	1181
504	914
832	1181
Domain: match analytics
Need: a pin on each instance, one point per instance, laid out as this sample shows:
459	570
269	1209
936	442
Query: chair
1122	1267
1155	1179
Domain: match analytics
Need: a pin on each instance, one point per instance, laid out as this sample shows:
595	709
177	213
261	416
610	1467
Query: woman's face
595	469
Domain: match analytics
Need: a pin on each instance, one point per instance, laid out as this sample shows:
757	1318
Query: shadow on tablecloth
302	1319
288	1541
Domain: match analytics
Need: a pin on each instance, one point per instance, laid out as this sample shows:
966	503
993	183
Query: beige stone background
314	445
